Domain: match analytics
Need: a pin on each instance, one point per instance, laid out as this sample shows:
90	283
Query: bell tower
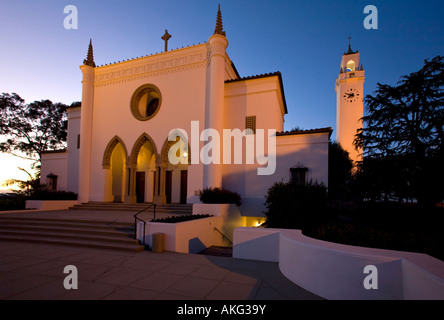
349	101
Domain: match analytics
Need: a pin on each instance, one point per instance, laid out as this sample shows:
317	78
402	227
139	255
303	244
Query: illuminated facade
118	147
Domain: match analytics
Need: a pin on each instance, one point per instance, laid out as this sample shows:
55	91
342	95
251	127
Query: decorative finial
166	37
219	27
89	61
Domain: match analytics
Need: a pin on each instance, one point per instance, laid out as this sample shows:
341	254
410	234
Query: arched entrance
142	170
114	162
146	176
175	158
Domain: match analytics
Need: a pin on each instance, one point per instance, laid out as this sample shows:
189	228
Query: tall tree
28	130
339	172
404	124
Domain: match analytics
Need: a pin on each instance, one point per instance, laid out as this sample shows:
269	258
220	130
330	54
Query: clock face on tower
351	95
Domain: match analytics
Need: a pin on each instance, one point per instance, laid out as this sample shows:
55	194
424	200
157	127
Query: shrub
219	195
42	194
291	205
12	202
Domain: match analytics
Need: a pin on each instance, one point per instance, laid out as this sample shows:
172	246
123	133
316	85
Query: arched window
350	65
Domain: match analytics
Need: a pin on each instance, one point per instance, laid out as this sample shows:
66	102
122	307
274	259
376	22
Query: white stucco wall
183	78
186	237
57	164
72	183
183	91
260	97
309	149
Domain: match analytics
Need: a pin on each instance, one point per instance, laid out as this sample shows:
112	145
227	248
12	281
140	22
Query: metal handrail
223	236
144	222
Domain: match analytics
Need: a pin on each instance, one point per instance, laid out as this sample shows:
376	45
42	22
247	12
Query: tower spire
89	61
219	27
350	51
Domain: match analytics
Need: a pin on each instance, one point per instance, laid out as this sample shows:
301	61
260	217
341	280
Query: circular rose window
145	102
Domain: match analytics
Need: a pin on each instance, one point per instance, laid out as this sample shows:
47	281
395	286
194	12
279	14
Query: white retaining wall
187	237
50	204
196	235
336	271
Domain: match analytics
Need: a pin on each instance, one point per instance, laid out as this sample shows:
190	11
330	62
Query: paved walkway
36	271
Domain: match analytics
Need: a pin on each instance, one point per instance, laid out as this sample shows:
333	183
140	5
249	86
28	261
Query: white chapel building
118	147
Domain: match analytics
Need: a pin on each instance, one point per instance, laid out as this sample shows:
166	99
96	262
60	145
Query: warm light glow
185	154
350	65
258	223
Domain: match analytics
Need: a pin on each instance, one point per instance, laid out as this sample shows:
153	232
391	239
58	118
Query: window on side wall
298	175
250	124
52	182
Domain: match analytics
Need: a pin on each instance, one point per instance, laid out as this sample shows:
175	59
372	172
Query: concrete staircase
135	207
83	233
218	251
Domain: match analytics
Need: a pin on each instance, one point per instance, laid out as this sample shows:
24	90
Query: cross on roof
166	37
350	51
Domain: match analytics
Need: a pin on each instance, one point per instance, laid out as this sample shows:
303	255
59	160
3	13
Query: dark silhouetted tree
28	130
339	172
403	130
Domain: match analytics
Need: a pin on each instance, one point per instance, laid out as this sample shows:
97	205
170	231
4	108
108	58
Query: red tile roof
328	130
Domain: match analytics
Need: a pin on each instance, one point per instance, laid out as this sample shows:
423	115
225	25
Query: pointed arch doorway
114	163
173	183
142	171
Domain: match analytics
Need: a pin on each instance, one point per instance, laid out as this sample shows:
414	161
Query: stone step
74	229
218	251
106	206
69	236
83	233
74	242
60	222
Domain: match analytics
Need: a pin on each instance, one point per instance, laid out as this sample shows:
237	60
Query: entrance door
168	185
183	186
140	186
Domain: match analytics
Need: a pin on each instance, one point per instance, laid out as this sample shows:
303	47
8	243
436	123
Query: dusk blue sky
304	40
